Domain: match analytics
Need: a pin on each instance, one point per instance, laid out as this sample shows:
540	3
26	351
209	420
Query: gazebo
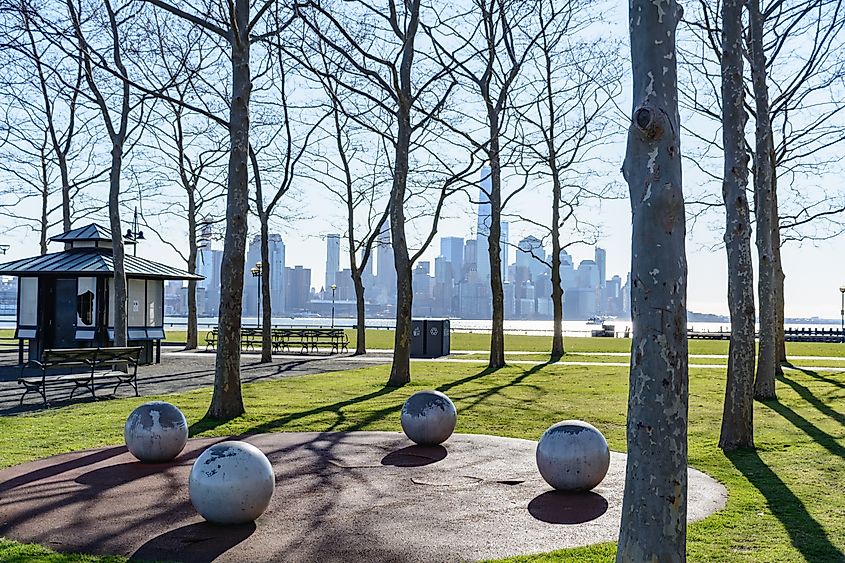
66	299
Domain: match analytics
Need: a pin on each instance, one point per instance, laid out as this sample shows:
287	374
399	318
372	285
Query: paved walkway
183	371
358	496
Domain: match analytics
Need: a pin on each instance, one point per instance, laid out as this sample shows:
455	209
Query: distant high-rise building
385	290
601	262
452	249
568	277
298	287
332	260
209	262
527	266
483	230
471	260
276	261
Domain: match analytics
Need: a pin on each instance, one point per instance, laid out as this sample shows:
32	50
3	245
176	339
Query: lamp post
256	273
134	234
334	288
4	248
842	313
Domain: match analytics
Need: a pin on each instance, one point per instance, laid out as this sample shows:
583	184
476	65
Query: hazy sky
814	272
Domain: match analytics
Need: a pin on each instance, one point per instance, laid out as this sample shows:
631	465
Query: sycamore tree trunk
267	307
780	277
120	294
497	329
227	401
738	414
361	313
400	370
654	506
45	208
557	285
764	385
191	339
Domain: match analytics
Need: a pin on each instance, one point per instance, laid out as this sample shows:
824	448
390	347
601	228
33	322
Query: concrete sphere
428	417
231	483
573	456
156	432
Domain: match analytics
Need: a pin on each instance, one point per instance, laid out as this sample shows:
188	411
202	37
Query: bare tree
494	41
653	526
764	384
119	124
566	120
738	415
234	25
378	47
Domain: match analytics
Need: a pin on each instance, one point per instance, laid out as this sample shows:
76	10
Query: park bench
286	339
82	367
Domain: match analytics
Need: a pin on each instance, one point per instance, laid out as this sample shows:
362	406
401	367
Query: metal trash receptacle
417	338
436	338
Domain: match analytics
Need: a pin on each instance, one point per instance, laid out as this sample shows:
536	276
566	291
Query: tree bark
361	314
764	385
780	277
227	401
738	414
497	330
267	306
191	338
654	505
120	293
400	370
45	209
557	284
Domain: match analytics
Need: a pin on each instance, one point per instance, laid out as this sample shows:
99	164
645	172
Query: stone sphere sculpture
231	483
156	432
428	417
573	456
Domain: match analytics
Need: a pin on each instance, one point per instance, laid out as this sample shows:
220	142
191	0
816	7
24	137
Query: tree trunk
191	338
266	309
400	370
738	414
654	506
764	386
497	329
120	294
780	277
227	401
557	286
361	313
45	197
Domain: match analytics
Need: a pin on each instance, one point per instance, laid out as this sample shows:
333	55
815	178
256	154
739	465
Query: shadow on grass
483	396
816	434
209	423
805	533
816	375
808	396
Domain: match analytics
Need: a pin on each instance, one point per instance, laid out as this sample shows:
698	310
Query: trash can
436	338
417	338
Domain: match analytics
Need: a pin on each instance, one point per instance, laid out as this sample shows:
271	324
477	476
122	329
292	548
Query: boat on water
596	320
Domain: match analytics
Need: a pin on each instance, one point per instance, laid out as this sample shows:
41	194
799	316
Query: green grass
785	499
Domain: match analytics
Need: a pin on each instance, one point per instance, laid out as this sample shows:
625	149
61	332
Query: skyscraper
276	261
385	268
601	262
452	250
483	230
332	260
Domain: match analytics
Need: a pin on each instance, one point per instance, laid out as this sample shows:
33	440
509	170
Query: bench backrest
90	357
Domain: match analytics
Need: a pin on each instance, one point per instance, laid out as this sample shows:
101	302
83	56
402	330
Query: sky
814	271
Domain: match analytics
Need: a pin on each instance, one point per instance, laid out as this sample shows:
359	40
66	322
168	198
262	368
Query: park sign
66	299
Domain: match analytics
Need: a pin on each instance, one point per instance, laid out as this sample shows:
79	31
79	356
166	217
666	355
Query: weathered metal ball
156	432
231	483
573	456
428	417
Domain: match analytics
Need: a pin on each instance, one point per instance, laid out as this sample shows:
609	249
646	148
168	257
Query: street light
134	234
842	313
4	248
334	288
256	273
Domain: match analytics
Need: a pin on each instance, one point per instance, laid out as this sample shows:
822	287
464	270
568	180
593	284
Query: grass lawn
786	500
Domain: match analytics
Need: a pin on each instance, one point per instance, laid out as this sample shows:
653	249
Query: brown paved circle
359	496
